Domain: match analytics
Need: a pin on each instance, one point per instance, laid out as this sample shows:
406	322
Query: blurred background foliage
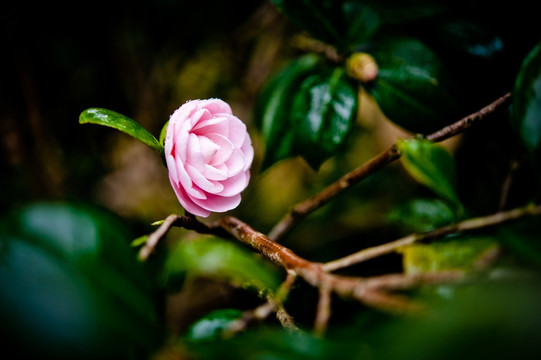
146	58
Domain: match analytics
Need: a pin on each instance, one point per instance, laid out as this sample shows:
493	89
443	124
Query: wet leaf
122	123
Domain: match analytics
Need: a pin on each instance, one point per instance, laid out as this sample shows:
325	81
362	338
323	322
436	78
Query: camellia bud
362	67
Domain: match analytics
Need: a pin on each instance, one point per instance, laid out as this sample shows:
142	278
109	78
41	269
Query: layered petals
209	153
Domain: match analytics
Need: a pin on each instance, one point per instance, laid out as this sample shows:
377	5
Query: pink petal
187	202
248	151
194	156
213	125
213	173
237	131
208	148
180	140
225	151
196	116
215	106
217	203
212	187
180	115
234	185
185	181
236	162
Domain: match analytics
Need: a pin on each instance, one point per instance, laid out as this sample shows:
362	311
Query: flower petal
235	163
217	203
215	106
187	203
225	151
237	131
235	184
194	155
248	151
213	125
214	173
210	186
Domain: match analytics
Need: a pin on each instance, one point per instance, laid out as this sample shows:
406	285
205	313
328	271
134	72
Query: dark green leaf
120	122
433	166
420	215
271	343
221	259
361	21
71	287
321	18
465	253
411	88
273	111
527	104
213	325
344	24
523	239
323	111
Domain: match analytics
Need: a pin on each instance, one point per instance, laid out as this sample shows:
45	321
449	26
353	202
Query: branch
466	225
371	292
303	209
188	222
273	304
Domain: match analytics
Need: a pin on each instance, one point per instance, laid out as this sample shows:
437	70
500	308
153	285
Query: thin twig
188	222
273	304
323	313
155	237
303	209
470	224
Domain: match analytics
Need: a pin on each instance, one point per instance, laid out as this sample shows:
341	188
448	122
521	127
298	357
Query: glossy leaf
527	104
411	88
433	166
323	111
120	122
273	110
420	215
71	287
221	259
213	325
461	254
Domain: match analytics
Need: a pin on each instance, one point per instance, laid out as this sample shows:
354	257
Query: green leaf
523	238
273	108
71	286
461	254
323	111
344	24
433	166
321	18
421	215
120	122
527	105
221	259
271	343
213	325
411	88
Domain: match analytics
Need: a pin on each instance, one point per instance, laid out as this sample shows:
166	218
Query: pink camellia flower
208	153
